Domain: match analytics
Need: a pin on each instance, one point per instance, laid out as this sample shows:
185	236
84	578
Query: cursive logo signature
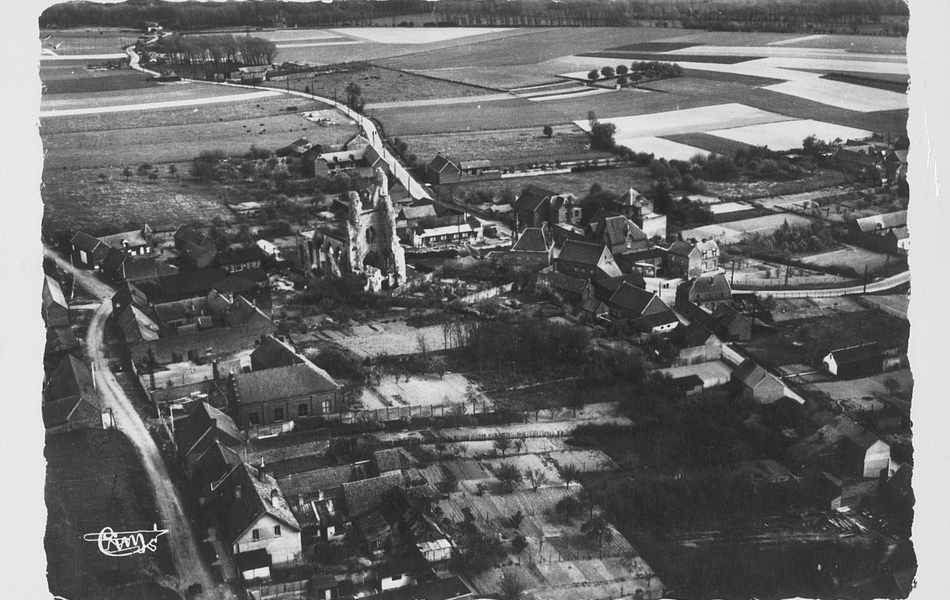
126	543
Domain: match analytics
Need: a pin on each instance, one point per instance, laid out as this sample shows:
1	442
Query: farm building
237	257
757	384
200	430
461	233
845	449
55	307
645	310
639	209
70	400
862	360
187	329
698	345
885	233
120	267
649	263
196	249
246	209
859	166
90	252
584	260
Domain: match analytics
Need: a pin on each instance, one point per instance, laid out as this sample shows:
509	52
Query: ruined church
365	244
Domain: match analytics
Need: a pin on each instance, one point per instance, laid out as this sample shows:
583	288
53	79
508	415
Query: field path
182	541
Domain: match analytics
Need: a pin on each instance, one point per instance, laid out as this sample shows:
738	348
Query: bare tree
536	478
502	444
569	473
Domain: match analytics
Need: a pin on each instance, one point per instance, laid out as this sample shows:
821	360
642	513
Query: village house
449	588
861	360
860	166
238	257
692	259
200	430
246	209
643	310
120	266
197	251
584	260
254	516
191	329
55	307
70	399
709	290
756	384
442	170
639	209
280	391
618	233
533	250
60	342
462	232
537	205
649	263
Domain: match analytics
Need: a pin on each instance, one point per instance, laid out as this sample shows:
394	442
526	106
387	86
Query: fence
486	294
265	591
431	411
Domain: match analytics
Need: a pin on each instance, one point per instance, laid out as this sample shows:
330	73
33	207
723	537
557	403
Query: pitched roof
647	323
260	495
136	326
372	526
882	222
134	238
70	378
532	197
129	294
310	483
418	211
393	459
828	437
695	334
233	284
482	163
213	464
240	254
187	283
615	229
583	253
205	420
681	248
53	293
363	496
751	374
283	382
440	163
859	158
566	283
533	239
272	352
707	284
858	353
91	245
631	299
608	285
629	198
60	339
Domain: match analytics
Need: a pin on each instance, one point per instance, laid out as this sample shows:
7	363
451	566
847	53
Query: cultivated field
425	390
147	96
116	140
76	199
858	98
394	35
851	256
383	85
788	135
88	40
735	231
503	144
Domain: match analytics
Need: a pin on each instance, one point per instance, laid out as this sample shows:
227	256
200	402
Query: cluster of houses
873	163
316	524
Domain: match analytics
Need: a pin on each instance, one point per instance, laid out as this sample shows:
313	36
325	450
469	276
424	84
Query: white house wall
281	549
876	458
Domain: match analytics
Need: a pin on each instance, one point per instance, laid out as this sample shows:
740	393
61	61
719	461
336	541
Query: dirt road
181	538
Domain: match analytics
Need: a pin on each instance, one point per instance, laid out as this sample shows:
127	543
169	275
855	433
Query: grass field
148	93
503	144
708	143
386	85
788	135
75	199
95	82
94	480
88	41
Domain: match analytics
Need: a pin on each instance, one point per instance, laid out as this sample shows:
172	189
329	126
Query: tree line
192	16
218	51
779	15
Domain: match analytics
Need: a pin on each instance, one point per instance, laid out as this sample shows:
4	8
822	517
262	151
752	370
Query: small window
276	530
302	410
256	535
254	419
327	406
278	414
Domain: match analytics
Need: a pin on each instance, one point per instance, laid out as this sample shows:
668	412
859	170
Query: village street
181	537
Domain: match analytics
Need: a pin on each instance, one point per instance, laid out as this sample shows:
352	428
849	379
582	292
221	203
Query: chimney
125	243
320	495
214	370
261	470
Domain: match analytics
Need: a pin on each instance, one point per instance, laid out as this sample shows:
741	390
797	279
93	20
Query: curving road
880	285
181	538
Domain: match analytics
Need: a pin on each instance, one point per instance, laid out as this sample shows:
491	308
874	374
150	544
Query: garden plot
393	339
424	390
720	116
467	470
661	148
712	373
587	461
399	35
788	135
844	95
538	462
